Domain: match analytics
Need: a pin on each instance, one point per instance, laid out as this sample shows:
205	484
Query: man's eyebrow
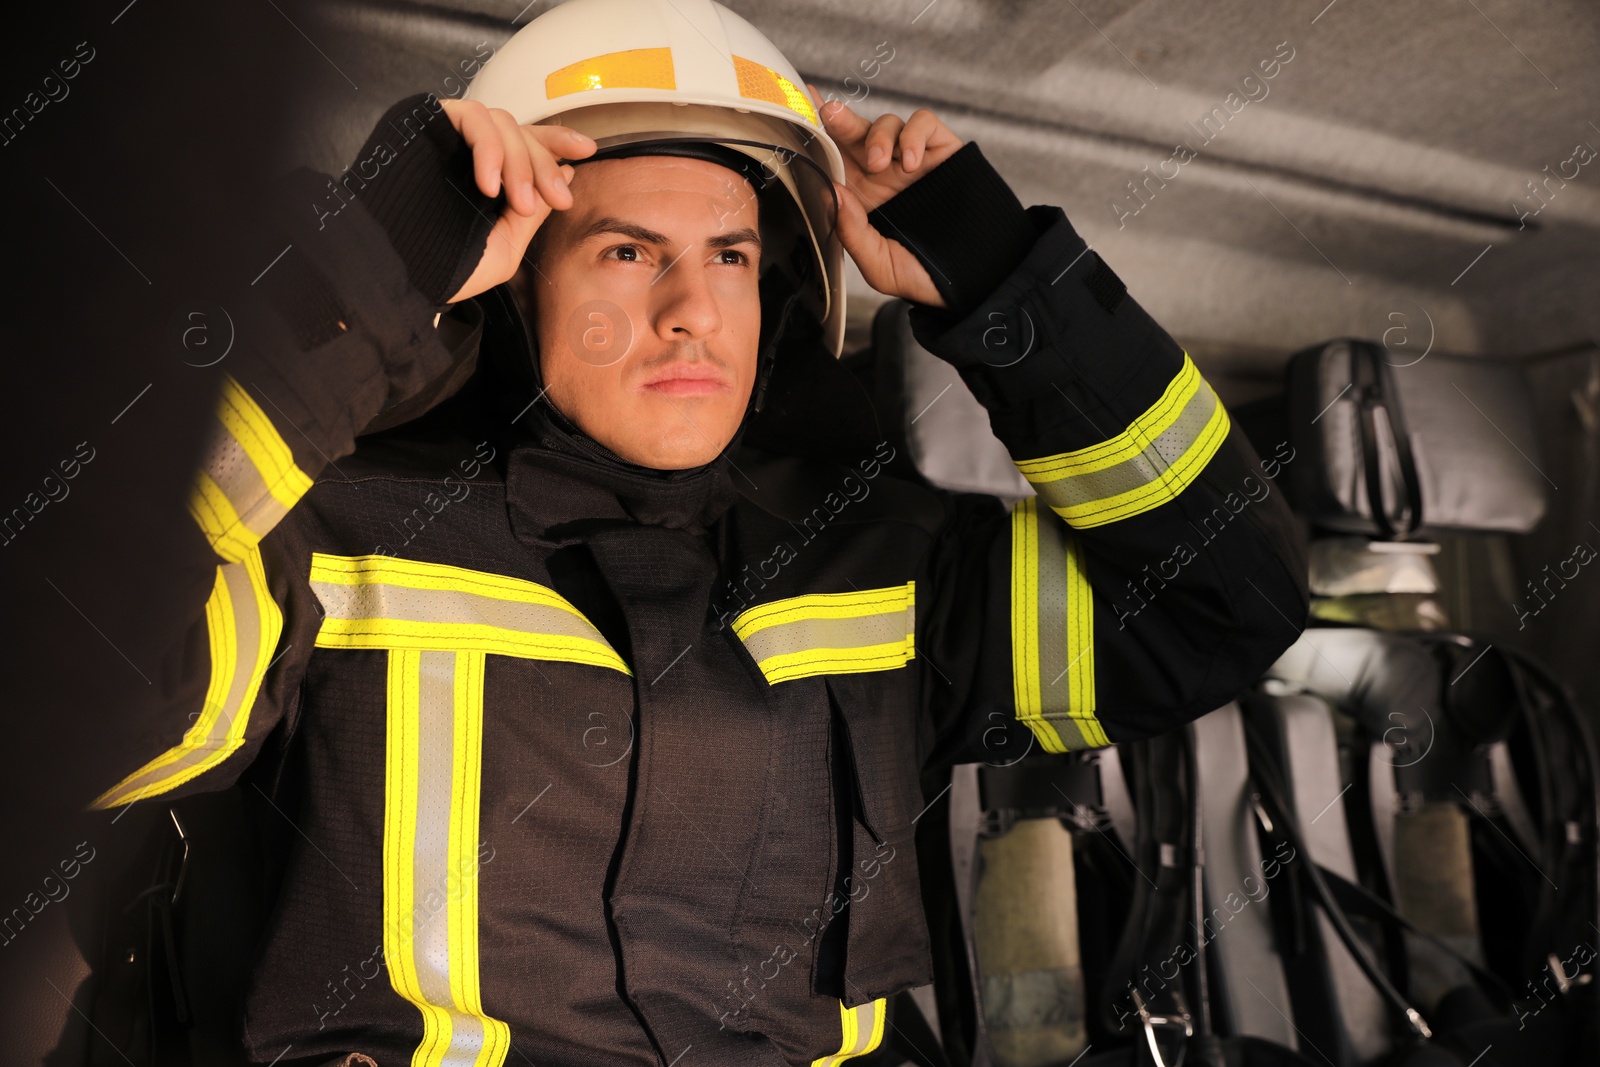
734	237
611	224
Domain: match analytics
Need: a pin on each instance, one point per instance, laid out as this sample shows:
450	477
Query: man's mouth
686	379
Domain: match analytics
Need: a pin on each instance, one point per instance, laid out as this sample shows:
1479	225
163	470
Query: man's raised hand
882	157
522	160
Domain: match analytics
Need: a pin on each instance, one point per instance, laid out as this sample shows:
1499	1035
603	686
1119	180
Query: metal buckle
183	860
1181	1021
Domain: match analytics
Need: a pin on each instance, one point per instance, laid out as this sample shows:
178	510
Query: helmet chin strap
767	358
792	281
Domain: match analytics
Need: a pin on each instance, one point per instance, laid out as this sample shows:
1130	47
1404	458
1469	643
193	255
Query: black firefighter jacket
618	766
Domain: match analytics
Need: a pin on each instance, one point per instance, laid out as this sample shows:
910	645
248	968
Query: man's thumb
503	250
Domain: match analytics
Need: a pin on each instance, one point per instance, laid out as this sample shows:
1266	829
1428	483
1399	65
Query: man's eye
740	258
634	251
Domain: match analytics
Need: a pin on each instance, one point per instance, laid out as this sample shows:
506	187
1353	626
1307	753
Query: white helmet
630	72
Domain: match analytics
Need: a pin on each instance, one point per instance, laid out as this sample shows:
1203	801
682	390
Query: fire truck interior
1376	229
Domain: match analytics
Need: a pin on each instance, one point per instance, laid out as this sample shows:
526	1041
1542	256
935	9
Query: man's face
647	306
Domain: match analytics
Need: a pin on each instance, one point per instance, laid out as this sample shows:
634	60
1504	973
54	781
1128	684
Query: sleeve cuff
414	176
1062	324
964	224
337	329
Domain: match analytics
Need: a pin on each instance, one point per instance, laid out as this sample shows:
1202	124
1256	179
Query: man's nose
685	305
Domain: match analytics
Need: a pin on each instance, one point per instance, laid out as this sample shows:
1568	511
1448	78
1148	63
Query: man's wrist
414	177
964	225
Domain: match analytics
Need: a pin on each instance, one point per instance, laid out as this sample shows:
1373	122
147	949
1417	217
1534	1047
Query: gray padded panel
1383	798
965	808
1253	997
1386	681
946	428
1306	725
1472	434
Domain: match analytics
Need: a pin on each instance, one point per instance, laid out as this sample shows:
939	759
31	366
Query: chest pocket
853	642
831	633
379	602
848	639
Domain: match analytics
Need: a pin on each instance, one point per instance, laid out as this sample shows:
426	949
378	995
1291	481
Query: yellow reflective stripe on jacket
831	633
248	481
387	603
1052	632
863	1031
1148	464
432	784
243	624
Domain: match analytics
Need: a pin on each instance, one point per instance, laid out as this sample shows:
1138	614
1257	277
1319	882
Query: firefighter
598	676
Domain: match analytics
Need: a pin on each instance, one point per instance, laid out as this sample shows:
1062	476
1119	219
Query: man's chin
673	462
661	432
674	448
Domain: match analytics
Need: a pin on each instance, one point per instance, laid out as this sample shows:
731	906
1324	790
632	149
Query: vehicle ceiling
1376	181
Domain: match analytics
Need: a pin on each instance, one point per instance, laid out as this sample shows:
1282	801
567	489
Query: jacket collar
560	482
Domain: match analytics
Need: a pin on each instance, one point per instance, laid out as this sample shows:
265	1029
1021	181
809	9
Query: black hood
804	404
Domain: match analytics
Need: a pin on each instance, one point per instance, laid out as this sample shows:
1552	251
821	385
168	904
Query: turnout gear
609	764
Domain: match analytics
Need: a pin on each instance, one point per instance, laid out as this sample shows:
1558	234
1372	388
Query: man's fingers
880	141
472	120
508	242
547	173
504	251
922	125
518	160
517	169
820	104
886	266
563	142
519	230
842	124
865	244
514	231
563	178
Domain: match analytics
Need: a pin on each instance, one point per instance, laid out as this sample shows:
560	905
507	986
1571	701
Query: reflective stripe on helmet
633	68
763	83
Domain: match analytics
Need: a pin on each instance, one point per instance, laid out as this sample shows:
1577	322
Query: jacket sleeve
1157	571
338	330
